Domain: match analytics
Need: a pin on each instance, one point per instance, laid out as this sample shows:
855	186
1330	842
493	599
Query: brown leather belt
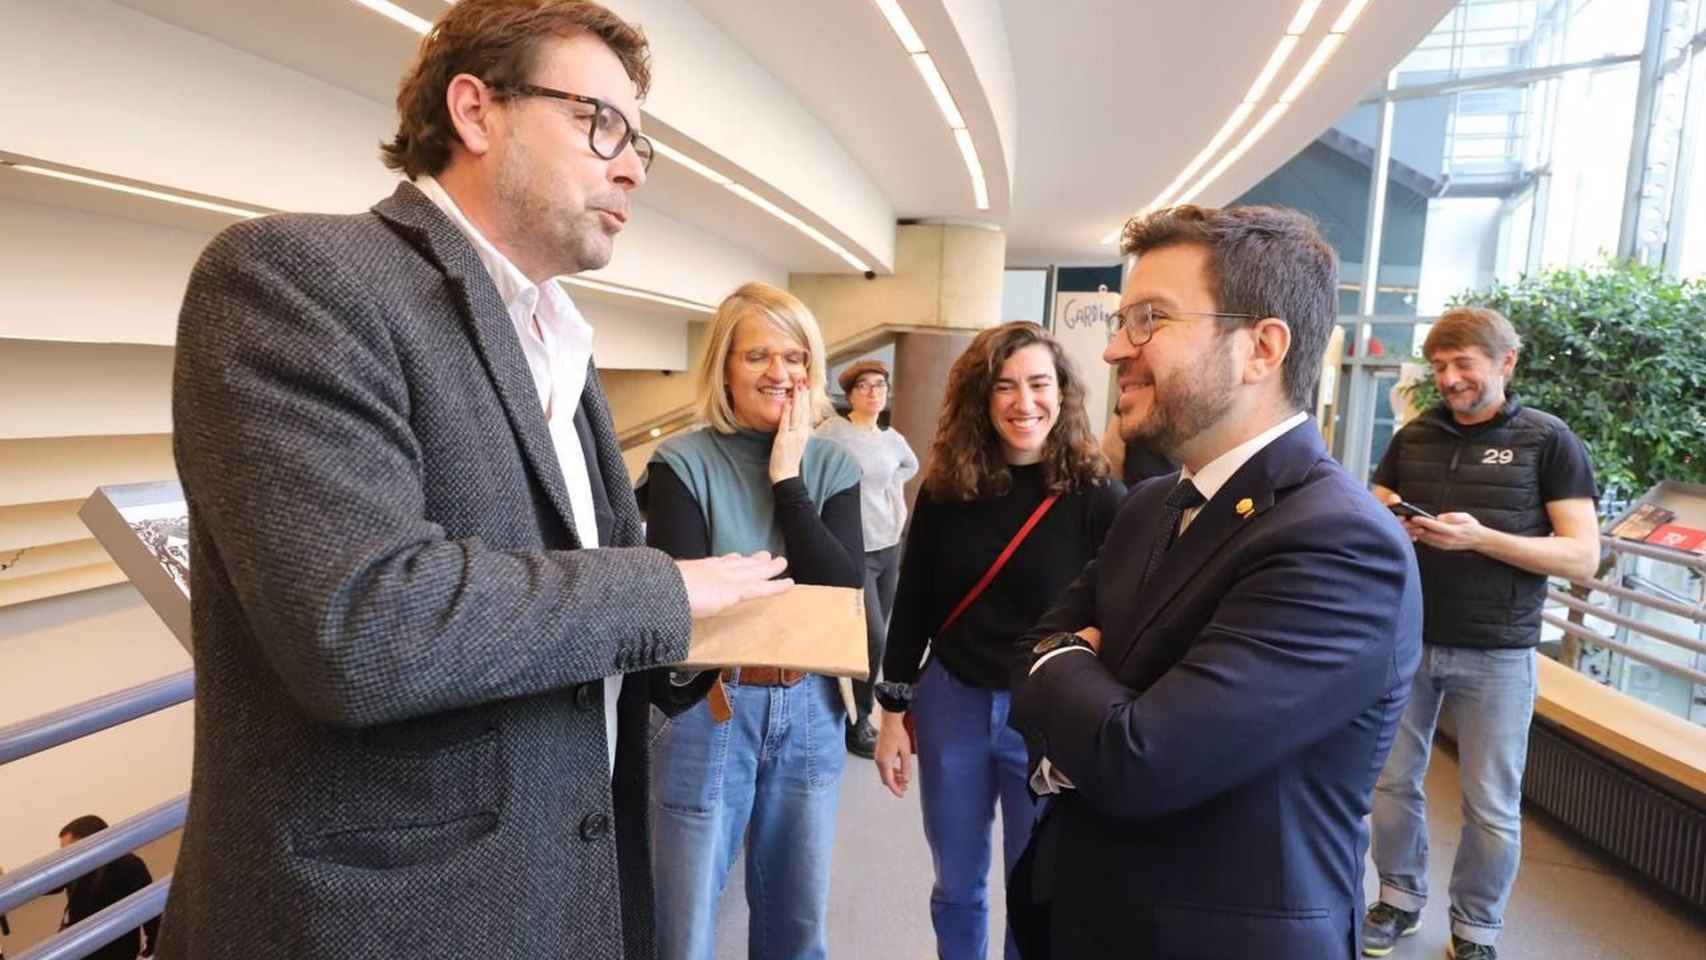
762	676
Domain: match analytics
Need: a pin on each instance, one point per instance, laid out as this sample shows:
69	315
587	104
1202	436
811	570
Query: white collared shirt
1208	481
557	342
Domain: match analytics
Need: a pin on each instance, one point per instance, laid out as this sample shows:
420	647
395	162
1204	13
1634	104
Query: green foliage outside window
1618	352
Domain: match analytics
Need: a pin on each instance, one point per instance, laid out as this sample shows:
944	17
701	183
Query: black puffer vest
1492	472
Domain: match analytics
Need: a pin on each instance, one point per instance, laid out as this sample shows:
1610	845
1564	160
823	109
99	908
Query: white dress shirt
557	342
1208	482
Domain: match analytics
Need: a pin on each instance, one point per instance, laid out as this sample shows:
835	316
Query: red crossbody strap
1001	561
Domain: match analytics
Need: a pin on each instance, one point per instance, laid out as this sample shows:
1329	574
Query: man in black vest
1511	495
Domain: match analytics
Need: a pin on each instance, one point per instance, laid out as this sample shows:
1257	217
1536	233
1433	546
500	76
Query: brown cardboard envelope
809	628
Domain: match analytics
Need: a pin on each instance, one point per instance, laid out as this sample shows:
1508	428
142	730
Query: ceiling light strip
120	187
974	167
1287	45
1305	13
938	87
939	90
701	169
901	26
393	12
638	293
1323	52
746	193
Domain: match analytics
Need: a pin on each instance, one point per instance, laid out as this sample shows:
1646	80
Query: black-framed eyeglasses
608	134
1140	320
870	385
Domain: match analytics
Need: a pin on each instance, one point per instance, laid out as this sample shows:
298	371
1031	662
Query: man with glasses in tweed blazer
422	613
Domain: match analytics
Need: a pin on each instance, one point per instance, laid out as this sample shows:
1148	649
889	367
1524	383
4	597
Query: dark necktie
1184	497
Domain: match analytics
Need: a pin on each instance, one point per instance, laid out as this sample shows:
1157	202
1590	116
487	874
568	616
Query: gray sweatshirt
887	462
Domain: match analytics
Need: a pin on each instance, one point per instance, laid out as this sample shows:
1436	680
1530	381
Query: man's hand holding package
715	584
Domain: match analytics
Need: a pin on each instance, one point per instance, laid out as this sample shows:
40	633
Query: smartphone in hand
1405	510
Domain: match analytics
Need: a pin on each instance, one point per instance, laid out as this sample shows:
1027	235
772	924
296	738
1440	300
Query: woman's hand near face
792	433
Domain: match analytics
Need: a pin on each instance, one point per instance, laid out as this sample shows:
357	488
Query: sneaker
862	740
1384	924
1461	949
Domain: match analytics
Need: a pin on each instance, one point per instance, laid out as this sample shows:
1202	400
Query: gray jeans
1491	694
882	572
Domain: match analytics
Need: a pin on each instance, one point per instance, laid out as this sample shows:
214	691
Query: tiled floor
1570	902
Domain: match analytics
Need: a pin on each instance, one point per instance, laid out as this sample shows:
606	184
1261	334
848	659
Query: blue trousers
1491	693
968	760
769	777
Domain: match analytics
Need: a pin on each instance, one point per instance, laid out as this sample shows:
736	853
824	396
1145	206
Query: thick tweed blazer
400	738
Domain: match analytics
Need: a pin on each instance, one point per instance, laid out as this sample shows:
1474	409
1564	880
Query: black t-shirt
949	547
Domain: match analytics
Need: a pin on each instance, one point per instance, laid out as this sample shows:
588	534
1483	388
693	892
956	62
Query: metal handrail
1644	598
1636	548
100	929
47	874
1601	613
92	716
1650	659
1681	602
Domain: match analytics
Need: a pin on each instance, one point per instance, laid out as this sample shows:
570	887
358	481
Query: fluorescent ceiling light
1207	153
678	157
939	89
1287	45
974	167
1256	133
638	294
1281	54
1352	10
244	212
1305	13
1312	66
901	25
394	12
740	190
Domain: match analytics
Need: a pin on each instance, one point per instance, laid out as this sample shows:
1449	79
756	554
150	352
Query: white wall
62	651
75	275
110	89
51	389
631	339
1024	294
136	98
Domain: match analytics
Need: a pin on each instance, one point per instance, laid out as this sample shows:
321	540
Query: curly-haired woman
1014	464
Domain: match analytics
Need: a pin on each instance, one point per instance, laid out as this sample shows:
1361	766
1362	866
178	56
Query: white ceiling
1115	97
844	63
349	46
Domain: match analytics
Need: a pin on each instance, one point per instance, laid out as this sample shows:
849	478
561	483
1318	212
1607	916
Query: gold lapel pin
1245	507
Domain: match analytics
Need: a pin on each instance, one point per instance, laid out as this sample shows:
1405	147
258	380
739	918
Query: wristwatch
894	697
1058	641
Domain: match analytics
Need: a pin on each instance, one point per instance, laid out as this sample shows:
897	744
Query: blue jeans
968	758
1491	693
771	776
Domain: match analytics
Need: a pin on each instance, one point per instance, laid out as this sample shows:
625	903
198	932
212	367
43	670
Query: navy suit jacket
1225	742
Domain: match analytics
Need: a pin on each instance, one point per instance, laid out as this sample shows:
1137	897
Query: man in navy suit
1212	700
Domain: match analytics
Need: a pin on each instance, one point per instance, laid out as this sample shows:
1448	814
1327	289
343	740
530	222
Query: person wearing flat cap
887	462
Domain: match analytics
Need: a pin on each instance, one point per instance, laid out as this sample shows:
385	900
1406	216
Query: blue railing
54	871
63	726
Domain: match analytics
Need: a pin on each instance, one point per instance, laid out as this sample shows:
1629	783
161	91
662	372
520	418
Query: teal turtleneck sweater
709	493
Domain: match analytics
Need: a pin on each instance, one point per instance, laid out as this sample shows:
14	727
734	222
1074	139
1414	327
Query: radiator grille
1651	831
